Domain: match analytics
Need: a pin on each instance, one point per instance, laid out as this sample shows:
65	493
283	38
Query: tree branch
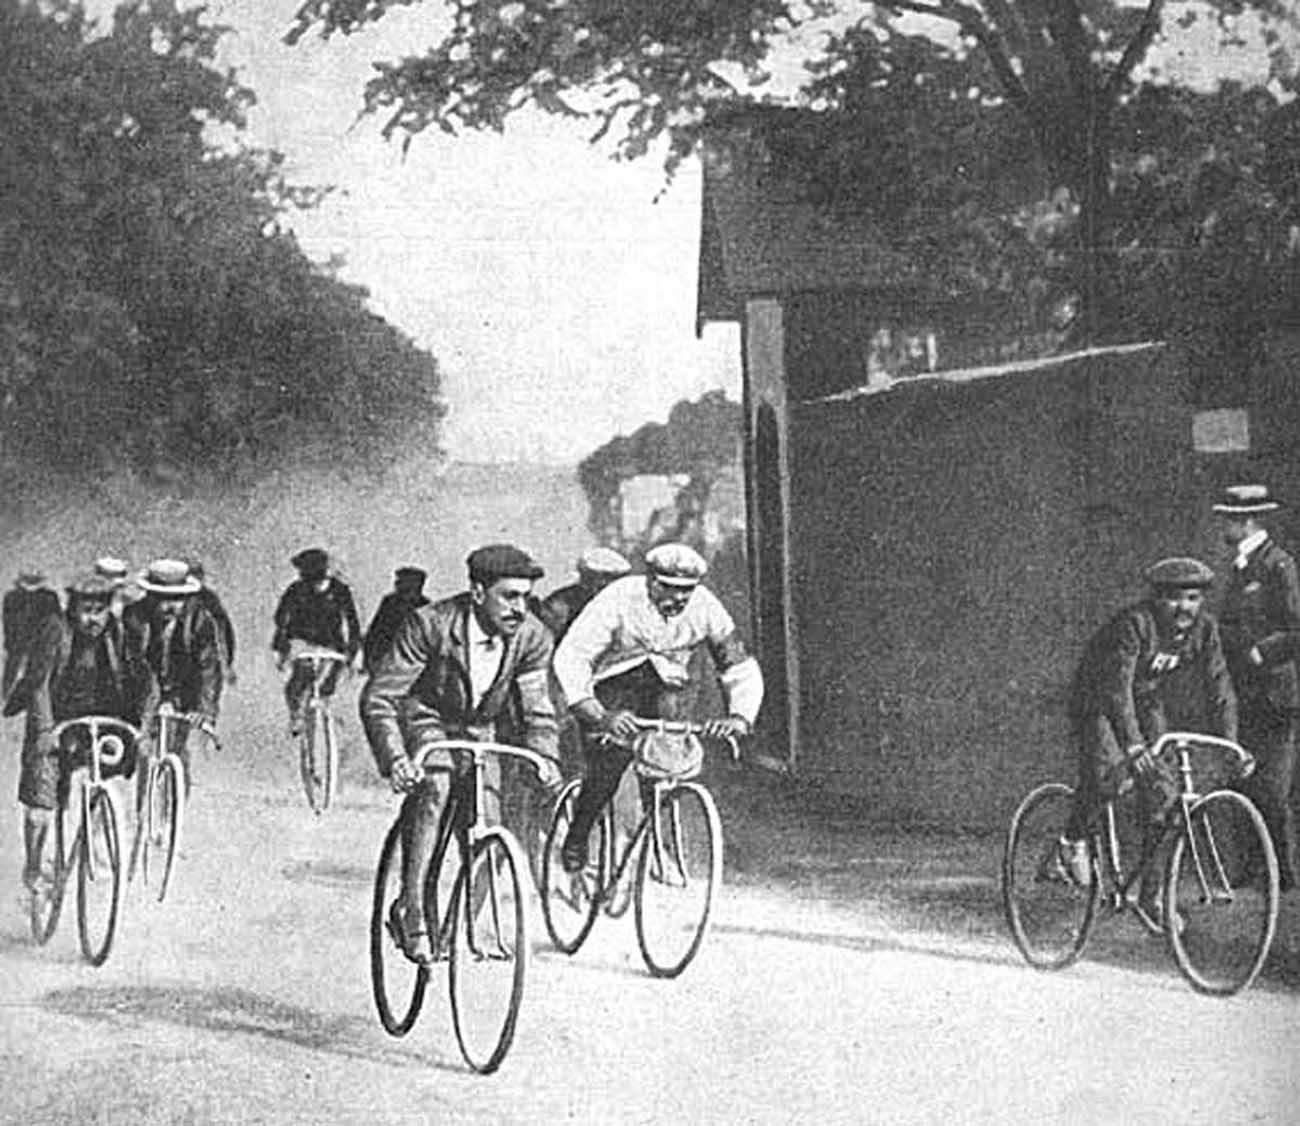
1136	49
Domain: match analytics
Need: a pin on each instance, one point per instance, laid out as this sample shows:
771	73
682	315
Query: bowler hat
1246	500
411	574
169	577
501	561
1180	572
311	559
676	564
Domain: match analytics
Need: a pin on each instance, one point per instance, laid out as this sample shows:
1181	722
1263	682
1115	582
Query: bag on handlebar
669	754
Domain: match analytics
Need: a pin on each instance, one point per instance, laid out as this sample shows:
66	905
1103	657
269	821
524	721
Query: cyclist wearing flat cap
1155	666
472	666
628	654
597	568
407	595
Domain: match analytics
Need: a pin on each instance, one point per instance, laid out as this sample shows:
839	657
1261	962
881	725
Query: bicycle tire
167	816
99	866
1050	918
570	902
489	928
1221	892
330	737
397	1021
309	765
45	909
679	870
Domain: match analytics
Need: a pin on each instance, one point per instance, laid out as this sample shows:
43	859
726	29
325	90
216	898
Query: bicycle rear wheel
165	816
397	983
312	759
1050	913
678	873
99	877
47	905
570	901
1221	894
489	950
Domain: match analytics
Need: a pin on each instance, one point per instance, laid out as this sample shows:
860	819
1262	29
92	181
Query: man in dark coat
1155	666
407	595
79	664
182	645
1261	638
597	568
473	666
316	610
25	608
211	602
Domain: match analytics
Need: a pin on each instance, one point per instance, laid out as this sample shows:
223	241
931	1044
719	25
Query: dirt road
849	978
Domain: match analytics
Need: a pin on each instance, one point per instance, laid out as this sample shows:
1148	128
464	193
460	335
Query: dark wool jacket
130	690
393	607
421	686
1261	607
326	618
23	614
197	666
1129	668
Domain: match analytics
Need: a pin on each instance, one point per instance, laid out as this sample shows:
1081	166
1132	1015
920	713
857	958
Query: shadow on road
328	874
240	1012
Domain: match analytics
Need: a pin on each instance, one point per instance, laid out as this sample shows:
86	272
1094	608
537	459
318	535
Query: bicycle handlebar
1188	739
101	728
477	749
685	727
318	656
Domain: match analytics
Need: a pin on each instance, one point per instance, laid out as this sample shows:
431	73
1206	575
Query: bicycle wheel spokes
311	759
99	878
678	872
1221	892
1049	911
166	813
569	900
396	982
329	737
489	950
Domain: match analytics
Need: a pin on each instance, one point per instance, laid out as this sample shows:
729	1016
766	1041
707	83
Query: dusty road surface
851	977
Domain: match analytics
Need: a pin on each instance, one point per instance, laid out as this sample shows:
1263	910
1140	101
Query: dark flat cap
501	561
1181	572
411	574
312	559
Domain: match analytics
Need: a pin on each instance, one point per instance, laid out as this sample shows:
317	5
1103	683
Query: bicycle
479	926
1220	894
678	848
95	849
160	802
318	751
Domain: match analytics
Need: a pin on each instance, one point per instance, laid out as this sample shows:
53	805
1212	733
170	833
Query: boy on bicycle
473	666
316	609
1155	666
79	664
628	654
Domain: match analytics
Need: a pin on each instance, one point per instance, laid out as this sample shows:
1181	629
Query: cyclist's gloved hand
1141	760
733	727
403	775
621	725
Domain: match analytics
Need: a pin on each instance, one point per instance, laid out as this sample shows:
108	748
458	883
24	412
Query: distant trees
153	311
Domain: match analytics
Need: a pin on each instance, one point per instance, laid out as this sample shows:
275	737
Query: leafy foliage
153	312
1102	214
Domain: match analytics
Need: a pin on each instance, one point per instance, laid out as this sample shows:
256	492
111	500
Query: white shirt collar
1250	544
479	636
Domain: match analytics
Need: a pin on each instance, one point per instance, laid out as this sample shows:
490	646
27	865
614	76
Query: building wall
951	546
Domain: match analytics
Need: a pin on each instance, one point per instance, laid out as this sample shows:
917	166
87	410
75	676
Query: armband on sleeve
743	685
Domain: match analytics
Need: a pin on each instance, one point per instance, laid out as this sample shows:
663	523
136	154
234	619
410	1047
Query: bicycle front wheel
1049	910
678	873
166	814
99	877
570	900
397	983
1221	894
489	950
329	734
312	759
47	904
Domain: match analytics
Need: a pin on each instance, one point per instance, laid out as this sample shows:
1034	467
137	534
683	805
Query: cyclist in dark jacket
407	595
25	608
317	609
